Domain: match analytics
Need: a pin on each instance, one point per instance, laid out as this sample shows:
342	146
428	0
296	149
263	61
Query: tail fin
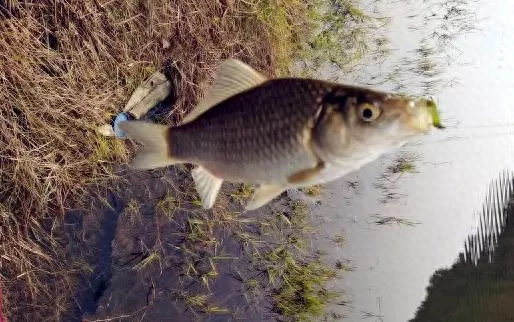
156	152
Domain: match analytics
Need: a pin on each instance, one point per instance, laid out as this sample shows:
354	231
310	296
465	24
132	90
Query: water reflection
480	285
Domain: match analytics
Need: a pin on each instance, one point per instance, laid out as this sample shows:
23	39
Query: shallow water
125	229
393	263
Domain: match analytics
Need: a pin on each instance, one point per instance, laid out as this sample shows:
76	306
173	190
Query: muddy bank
136	248
151	253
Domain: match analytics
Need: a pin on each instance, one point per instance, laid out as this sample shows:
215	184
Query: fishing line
464	137
486	126
451	139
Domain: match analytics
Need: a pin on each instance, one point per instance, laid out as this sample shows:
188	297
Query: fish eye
368	112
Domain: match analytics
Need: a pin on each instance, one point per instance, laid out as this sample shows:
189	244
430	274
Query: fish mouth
425	115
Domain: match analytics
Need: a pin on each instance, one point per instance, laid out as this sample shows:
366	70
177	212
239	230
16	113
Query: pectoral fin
207	186
306	175
264	194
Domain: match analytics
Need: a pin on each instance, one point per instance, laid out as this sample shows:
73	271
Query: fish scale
261	127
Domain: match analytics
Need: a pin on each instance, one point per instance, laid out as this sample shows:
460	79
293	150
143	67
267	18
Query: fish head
356	123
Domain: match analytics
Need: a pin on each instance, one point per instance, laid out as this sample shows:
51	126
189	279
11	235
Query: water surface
393	263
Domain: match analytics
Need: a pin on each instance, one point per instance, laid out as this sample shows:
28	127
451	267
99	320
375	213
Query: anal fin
207	186
264	194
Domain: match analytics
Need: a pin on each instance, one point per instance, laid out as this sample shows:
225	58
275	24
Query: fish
279	133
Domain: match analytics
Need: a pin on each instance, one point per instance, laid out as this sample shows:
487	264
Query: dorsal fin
232	77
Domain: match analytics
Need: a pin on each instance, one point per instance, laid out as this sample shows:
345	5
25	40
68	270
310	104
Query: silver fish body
279	133
260	136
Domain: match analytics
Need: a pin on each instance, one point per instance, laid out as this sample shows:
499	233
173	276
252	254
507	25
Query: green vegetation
404	163
133	211
242	194
340	240
293	274
149	260
168	205
285	270
314	31
340	25
390	220
301	295
199	303
313	191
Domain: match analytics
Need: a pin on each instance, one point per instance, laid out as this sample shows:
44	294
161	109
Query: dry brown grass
67	67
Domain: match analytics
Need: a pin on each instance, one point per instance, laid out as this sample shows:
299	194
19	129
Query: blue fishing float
121	117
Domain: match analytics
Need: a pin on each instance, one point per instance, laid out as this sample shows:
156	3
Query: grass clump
286	27
243	193
315	31
339	33
168	205
301	295
133	211
390	220
292	274
313	191
200	303
404	163
339	240
150	259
